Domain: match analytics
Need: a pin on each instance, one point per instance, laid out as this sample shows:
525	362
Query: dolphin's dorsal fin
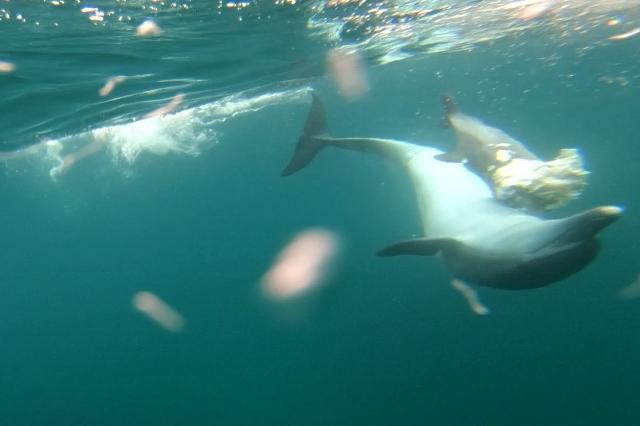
419	247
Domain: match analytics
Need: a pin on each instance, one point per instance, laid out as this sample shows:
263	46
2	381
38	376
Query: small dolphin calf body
481	240
484	148
516	176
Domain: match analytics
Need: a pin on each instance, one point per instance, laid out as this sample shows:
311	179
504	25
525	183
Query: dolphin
515	175
482	147
481	240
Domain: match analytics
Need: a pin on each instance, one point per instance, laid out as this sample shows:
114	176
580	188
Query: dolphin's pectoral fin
451	157
419	247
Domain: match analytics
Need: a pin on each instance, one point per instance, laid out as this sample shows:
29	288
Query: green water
391	343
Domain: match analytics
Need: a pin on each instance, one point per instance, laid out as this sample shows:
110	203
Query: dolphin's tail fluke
314	137
308	144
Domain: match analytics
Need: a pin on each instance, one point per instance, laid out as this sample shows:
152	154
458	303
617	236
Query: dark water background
392	344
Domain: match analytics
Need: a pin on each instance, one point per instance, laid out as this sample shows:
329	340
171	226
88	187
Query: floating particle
166	109
471	296
348	70
111	84
527	10
606	79
237	5
159	311
632	291
69	160
96	14
620	80
533	11
66	163
148	29
612	22
23	152
6	67
626	35
301	265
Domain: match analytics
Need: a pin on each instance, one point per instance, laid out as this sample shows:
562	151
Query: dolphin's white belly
456	203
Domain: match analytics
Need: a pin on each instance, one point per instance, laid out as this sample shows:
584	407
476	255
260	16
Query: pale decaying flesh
540	185
347	68
471	296
301	265
158	311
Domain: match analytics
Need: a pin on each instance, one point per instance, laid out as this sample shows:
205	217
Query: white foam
187	132
234	105
173	133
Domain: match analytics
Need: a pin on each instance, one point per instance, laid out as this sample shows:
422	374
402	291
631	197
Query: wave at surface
391	30
187	132
64	51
